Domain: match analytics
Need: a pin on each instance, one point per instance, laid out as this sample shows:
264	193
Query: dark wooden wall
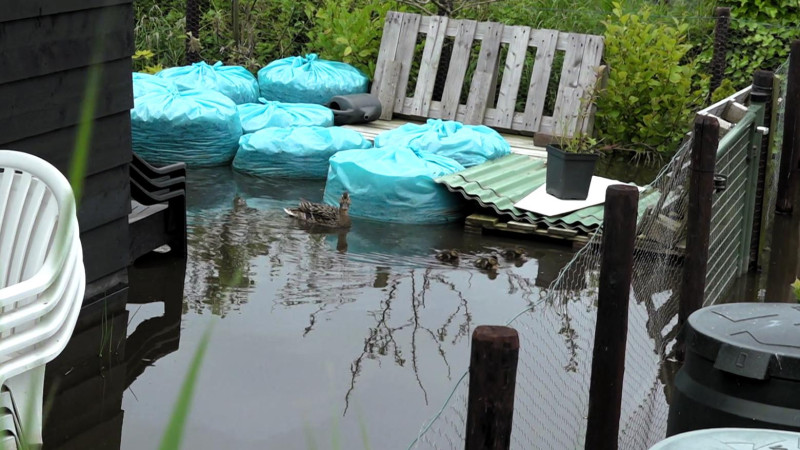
45	51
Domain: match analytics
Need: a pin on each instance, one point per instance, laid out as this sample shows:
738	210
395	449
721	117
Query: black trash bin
354	108
741	369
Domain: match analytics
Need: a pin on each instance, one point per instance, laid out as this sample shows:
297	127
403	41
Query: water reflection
414	303
85	384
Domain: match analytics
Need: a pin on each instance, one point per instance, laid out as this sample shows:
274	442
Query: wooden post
611	332
698	226
235	22
492	379
790	151
761	93
719	57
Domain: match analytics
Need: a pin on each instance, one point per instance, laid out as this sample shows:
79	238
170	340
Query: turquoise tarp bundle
309	79
236	82
394	184
470	145
198	127
257	116
297	152
144	83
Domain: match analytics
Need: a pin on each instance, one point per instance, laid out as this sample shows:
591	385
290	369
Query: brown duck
323	215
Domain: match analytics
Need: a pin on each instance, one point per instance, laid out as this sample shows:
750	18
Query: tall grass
177	424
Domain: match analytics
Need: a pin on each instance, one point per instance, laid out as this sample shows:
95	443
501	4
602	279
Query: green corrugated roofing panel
501	183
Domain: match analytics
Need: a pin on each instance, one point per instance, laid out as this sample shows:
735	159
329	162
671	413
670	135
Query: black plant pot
569	175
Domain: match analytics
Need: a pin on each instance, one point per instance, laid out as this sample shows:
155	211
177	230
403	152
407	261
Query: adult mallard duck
323	215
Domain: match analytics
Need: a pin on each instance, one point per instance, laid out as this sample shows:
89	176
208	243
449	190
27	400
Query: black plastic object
741	369
569	175
354	108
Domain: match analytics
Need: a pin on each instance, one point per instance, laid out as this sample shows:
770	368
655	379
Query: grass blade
177	423
83	139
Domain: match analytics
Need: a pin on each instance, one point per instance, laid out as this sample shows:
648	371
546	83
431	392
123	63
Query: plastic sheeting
309	79
394	184
235	82
257	116
299	152
470	145
144	83
198	127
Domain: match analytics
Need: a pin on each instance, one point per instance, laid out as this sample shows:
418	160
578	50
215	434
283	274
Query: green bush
159	30
653	88
759	38
349	33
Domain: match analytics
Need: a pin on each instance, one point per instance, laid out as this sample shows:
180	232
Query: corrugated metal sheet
500	183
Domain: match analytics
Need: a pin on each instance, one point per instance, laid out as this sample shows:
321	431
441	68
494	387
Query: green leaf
348	50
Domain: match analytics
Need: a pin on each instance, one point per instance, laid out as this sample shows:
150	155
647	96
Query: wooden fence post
492	380
790	151
698	226
611	332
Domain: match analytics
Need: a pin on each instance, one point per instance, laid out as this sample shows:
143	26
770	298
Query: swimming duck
487	263
450	256
321	214
514	253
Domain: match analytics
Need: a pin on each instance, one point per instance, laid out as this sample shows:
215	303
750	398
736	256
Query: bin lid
730	438
754	340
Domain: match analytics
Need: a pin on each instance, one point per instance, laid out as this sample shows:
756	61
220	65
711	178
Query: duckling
514	253
321	214
450	256
487	263
239	203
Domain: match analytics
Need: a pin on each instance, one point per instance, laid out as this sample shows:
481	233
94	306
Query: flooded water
318	340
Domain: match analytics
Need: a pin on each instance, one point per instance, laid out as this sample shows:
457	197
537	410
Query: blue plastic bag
257	116
198	127
144	83
297	152
236	82
394	184
309	80
470	145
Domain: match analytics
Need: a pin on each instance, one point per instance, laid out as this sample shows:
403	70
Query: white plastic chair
42	282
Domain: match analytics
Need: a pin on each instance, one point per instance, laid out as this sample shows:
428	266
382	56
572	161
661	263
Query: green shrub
159	30
349	33
759	37
653	88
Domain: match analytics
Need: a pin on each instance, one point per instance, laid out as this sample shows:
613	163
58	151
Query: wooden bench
495	92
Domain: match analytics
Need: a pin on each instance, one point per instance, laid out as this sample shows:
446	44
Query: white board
540	202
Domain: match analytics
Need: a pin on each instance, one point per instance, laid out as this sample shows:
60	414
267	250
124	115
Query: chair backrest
496	96
42	278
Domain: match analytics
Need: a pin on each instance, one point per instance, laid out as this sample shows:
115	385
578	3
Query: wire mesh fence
556	332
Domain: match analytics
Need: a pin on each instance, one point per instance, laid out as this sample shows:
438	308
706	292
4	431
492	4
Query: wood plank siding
46	47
